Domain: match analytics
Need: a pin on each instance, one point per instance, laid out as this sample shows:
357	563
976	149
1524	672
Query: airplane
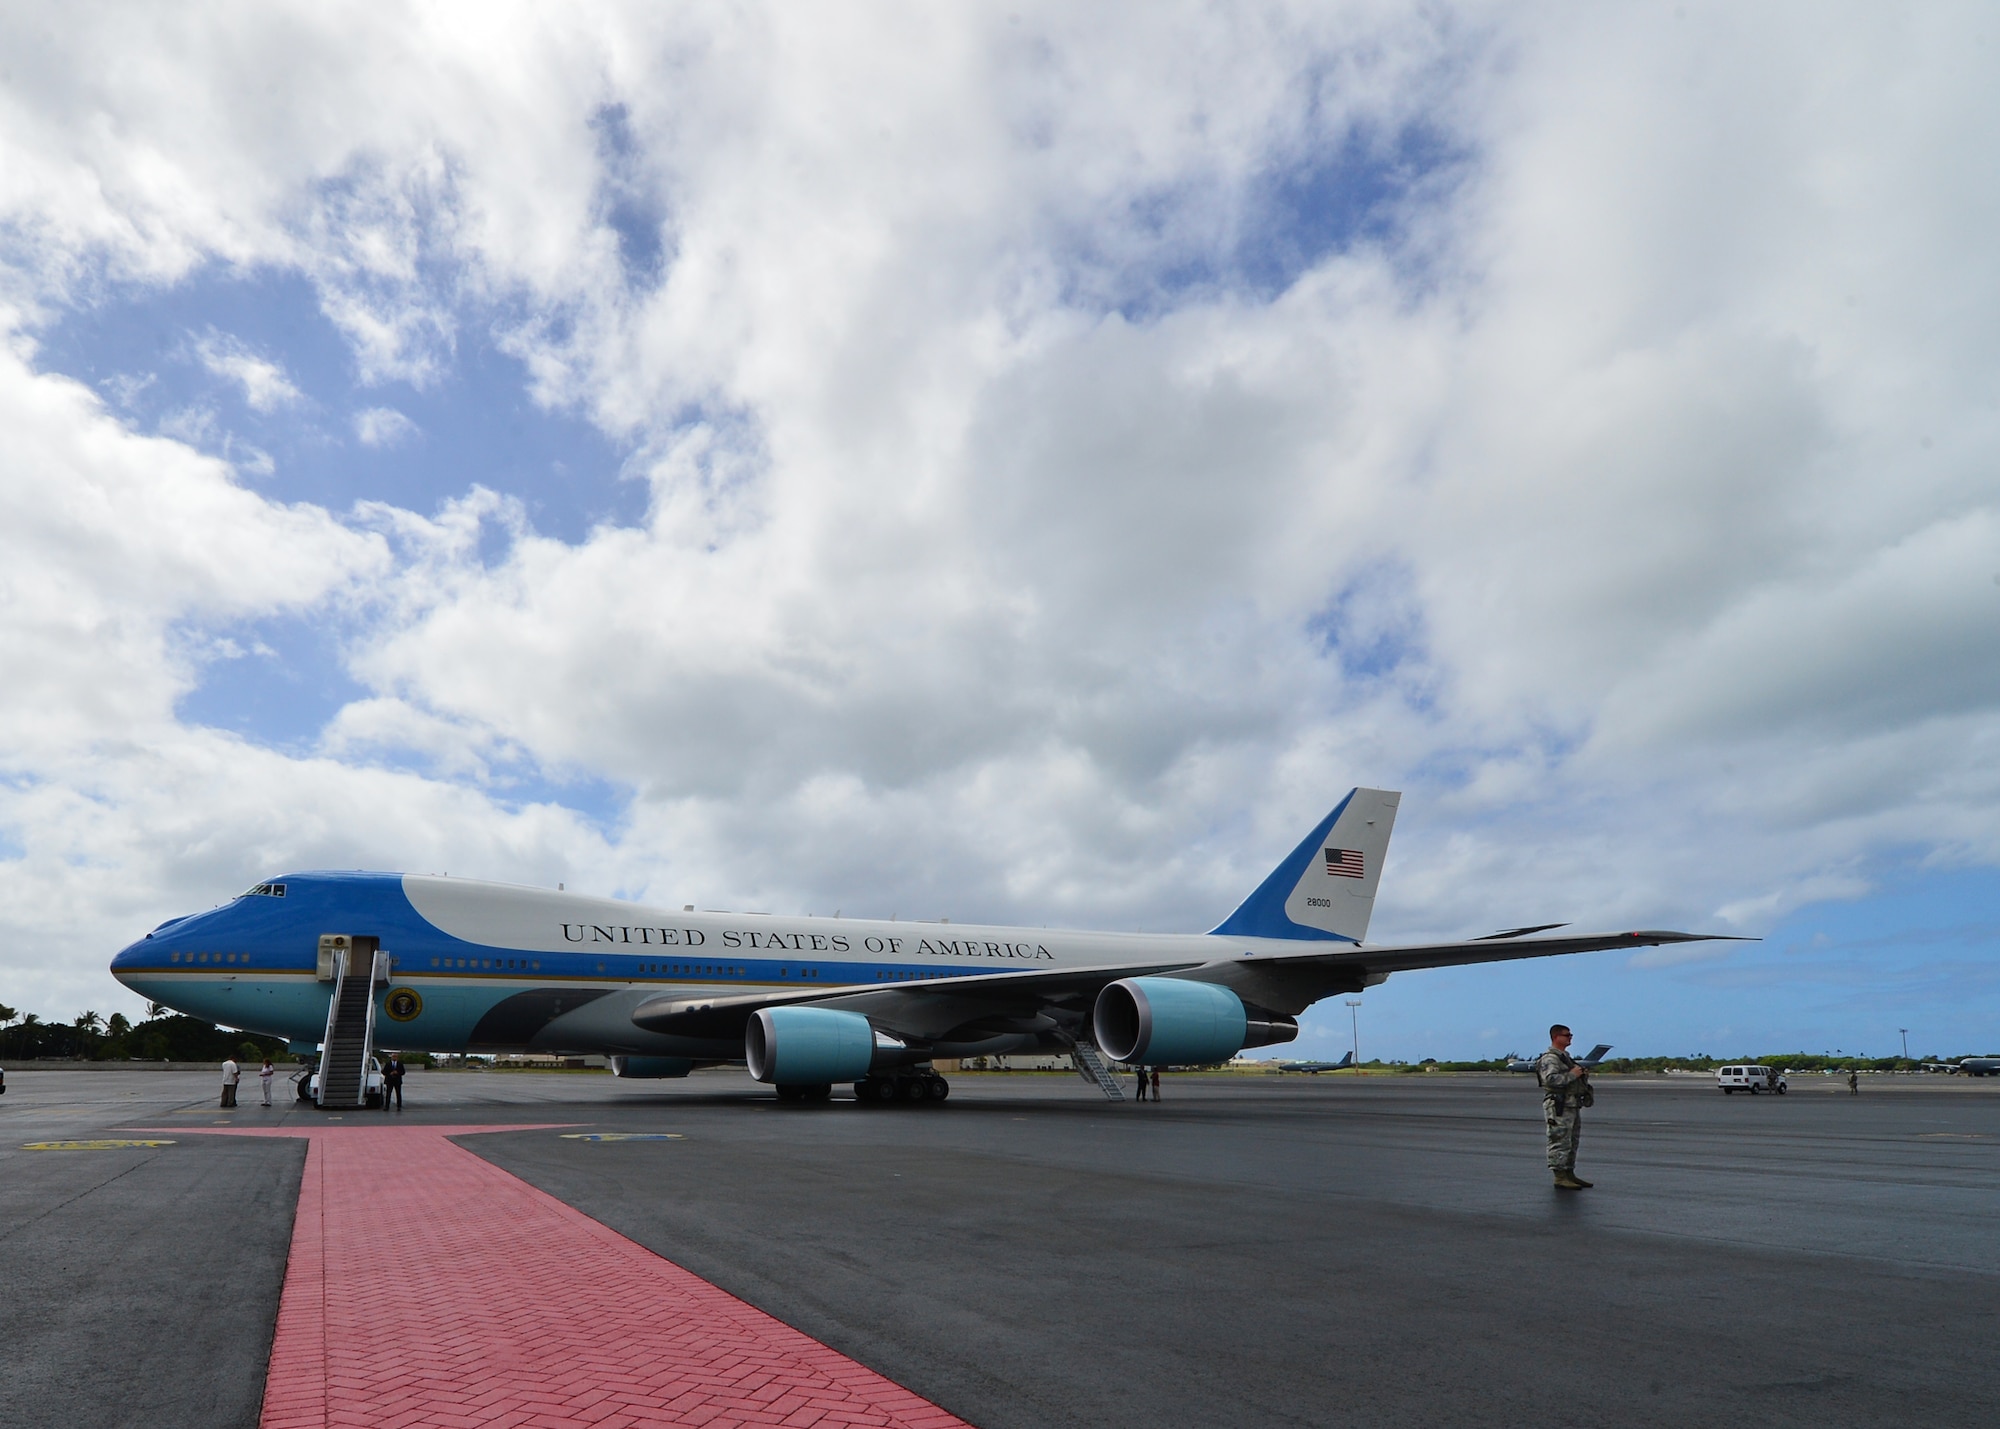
1529	1064
354	962
1346	1060
1978	1066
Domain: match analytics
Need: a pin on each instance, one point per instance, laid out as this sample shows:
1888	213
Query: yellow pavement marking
623	1136
87	1145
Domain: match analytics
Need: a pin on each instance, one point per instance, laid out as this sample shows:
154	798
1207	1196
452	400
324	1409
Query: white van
1750	1079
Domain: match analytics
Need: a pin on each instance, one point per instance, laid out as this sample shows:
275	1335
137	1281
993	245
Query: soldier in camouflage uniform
1565	1084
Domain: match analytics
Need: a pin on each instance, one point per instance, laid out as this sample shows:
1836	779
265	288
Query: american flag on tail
1344	862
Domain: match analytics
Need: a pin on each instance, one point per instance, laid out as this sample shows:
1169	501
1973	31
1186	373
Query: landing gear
919	1084
806	1092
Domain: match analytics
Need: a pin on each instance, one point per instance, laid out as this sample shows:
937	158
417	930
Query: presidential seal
402	1003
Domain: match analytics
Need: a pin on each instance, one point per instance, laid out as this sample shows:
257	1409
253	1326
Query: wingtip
1661	935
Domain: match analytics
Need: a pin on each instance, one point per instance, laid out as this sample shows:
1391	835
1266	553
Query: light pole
1354	1020
1906	1042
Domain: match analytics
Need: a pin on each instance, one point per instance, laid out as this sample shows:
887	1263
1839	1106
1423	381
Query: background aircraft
1528	1064
1345	1061
357	961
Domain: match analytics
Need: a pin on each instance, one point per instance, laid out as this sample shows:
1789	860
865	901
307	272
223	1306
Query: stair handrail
378	975
332	1017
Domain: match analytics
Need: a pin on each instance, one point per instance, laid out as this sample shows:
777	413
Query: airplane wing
1291	982
1284	982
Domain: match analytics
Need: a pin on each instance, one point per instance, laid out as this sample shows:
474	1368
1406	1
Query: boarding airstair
357	966
1091	1068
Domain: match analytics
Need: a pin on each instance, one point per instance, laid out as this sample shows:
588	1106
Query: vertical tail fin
1325	888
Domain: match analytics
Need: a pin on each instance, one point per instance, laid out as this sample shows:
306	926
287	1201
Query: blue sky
1917	952
734	461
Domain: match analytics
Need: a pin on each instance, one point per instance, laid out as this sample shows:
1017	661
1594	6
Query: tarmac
1296	1250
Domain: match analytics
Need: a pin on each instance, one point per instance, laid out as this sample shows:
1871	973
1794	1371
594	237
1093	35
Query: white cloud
265	386
383	427
1010	550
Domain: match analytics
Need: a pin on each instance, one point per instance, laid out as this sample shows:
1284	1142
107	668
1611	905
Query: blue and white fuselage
499	967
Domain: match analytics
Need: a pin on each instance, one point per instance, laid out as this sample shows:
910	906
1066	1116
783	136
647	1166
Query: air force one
349	963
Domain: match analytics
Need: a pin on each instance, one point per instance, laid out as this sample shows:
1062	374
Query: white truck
1752	1079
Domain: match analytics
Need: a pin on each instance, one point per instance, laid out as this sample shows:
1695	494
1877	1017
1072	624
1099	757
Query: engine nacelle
1160	1021
802	1046
651	1067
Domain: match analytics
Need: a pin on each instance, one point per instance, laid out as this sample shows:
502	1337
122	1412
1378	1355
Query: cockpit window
264	890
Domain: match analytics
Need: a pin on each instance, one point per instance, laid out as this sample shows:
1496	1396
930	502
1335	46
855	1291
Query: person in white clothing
231	1075
265	1076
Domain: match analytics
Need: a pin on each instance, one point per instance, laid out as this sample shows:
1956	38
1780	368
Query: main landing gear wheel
909	1088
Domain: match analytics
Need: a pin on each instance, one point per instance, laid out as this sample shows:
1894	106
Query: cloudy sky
1024	463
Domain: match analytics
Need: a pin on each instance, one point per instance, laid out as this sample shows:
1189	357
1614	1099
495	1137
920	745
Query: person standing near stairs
392	1081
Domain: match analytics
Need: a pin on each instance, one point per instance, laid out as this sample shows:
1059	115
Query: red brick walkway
430	1288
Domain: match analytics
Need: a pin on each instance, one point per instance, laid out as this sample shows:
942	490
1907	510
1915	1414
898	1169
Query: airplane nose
143	952
129	958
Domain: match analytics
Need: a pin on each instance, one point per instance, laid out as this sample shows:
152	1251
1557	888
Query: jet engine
648	1067
801	1046
1157	1021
